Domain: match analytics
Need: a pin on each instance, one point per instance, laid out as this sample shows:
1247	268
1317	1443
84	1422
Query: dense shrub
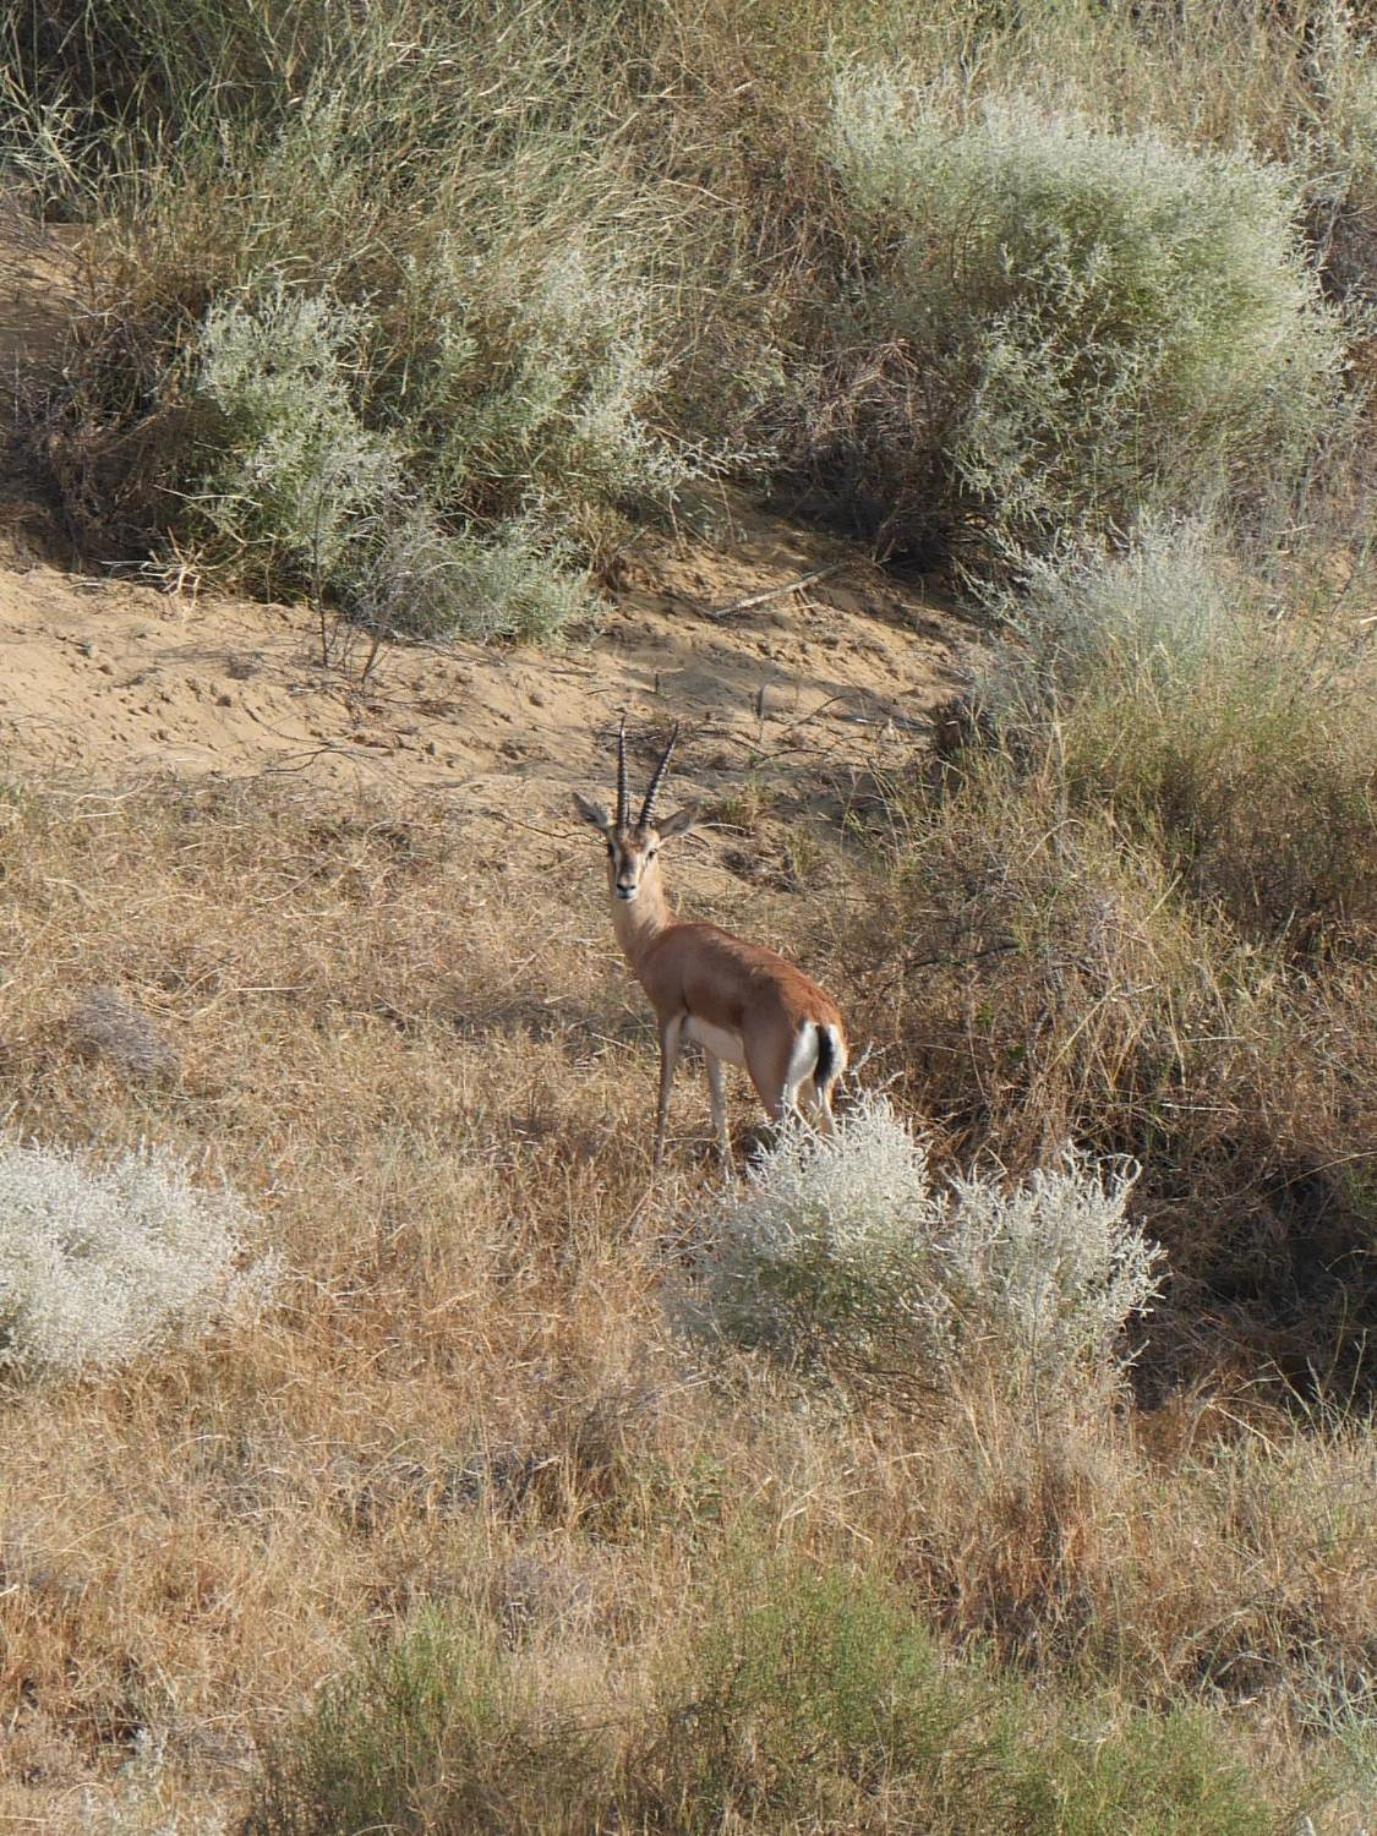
296	473
1236	744
794	1701
1062	324
596	270
841	1253
365	284
1042	968
421	581
100	1264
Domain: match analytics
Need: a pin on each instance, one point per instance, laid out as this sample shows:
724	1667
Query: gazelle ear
679	823
596	813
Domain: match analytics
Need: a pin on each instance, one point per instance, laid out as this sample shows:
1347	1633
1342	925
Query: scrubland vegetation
1007	1465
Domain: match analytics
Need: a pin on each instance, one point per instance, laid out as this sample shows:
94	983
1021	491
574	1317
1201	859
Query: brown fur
698	972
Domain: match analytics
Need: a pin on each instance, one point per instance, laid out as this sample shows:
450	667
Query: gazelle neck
639	921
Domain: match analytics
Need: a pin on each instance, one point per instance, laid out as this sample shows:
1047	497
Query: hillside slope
113	677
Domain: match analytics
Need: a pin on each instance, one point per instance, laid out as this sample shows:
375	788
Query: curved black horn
648	807
623	801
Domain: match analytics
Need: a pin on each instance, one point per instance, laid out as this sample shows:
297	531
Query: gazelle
743	1004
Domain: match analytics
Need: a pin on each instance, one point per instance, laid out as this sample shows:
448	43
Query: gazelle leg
717	1103
670	1034
770	1079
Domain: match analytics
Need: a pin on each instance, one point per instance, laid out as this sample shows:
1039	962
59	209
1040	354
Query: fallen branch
790	586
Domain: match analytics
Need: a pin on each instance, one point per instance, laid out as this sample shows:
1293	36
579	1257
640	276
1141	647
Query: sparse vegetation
961	1508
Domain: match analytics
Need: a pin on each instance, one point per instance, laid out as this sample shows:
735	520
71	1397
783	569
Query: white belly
716	1039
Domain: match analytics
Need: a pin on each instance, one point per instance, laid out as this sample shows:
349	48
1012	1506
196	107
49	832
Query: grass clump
99	1265
798	1700
841	1254
1063	324
1235	743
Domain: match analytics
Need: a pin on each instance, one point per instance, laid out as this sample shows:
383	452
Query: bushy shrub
296	471
365	291
520	583
820	1700
1155	611
435	1729
1079	323
100	1264
301	490
840	1252
548	379
1158	683
793	1700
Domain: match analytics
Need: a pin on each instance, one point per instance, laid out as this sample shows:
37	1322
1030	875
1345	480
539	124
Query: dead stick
790	586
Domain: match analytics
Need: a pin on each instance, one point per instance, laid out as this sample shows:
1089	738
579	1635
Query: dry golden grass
400	1044
411	1051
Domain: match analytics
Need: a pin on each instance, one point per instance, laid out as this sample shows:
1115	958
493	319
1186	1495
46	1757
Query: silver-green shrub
296	472
1094	322
548	378
421	581
544	387
1147	618
841	1253
100	1263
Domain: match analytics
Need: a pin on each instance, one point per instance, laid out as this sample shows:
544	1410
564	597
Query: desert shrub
814	1696
296	472
1064	324
606	252
1042	969
1237	744
1160	607
549	375
822	1700
520	583
434	1730
368	279
300	490
841	1253
793	1700
100	1264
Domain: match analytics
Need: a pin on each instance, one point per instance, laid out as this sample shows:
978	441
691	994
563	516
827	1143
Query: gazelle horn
623	801
648	807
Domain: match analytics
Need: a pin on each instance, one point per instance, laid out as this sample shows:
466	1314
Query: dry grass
1051	978
406	1046
409	1052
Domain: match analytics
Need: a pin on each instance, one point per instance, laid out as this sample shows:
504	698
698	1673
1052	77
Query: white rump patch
803	1061
717	1040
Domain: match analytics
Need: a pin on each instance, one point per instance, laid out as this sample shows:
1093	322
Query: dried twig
778	592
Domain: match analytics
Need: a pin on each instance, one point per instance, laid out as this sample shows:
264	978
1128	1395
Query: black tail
827	1066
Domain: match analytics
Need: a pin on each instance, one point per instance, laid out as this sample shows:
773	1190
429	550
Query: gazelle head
633	848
